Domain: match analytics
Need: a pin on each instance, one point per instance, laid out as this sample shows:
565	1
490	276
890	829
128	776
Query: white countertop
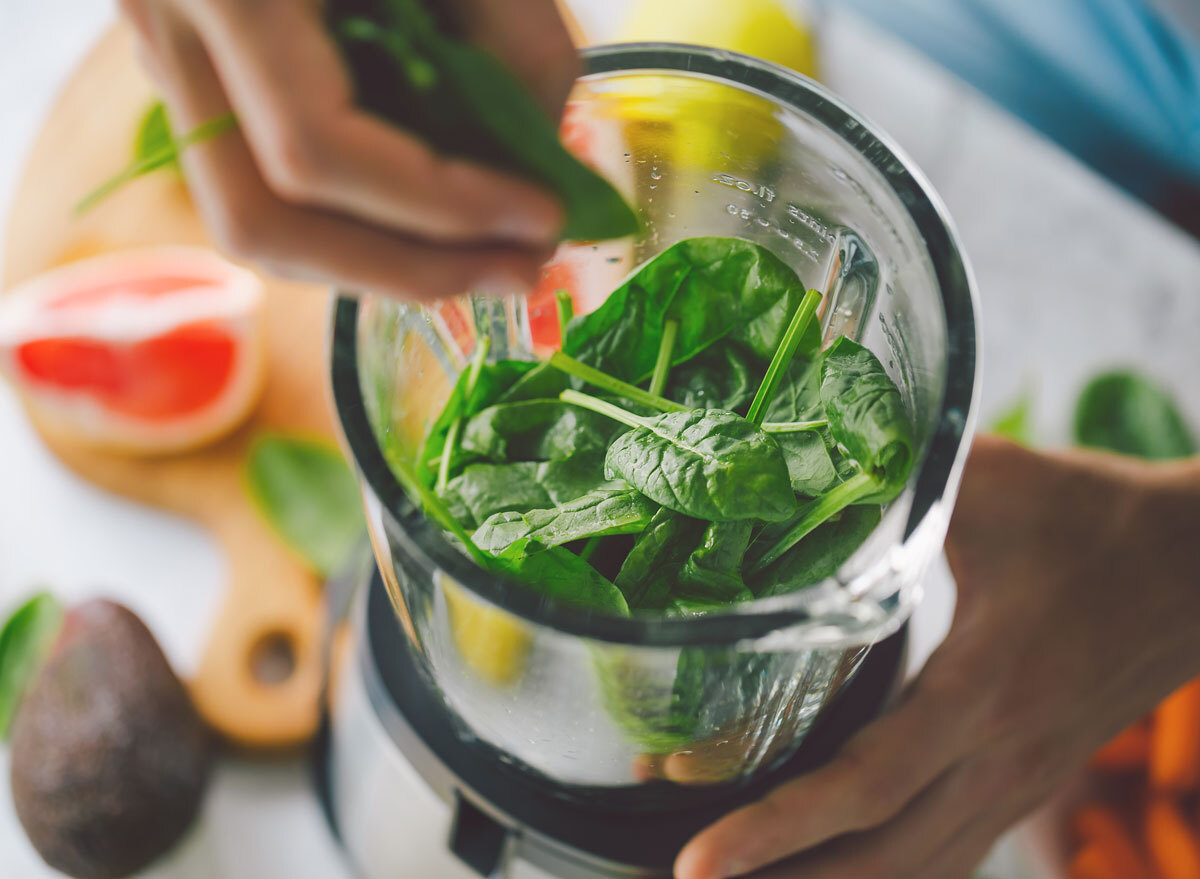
1073	275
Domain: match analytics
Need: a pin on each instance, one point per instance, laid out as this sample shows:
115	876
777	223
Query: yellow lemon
694	124
762	28
492	643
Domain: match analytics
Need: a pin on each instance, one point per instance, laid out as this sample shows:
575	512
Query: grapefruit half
147	352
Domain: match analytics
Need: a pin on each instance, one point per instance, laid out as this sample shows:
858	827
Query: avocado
109	757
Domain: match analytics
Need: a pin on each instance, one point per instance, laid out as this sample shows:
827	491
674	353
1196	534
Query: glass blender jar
658	714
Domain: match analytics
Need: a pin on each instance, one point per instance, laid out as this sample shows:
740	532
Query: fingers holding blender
251	222
871	781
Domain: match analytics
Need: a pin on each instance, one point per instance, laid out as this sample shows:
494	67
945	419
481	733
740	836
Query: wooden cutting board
272	598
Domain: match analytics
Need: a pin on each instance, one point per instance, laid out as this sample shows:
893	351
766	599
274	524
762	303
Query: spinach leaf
712	573
704	463
719	377
659	720
866	413
309	496
798	397
1126	413
543	382
537	430
482	490
470	394
463	102
650	570
866	416
810	466
24	641
710	686
154	137
562	575
613	508
712	287
819	555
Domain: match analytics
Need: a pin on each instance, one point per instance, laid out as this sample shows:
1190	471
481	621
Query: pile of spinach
691	445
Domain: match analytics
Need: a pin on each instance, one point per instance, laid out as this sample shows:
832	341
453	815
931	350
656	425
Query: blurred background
1063	135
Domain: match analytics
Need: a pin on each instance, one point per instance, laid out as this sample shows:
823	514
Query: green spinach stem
443	474
606	382
793	426
434	507
482	345
158	159
662	365
604	407
783	356
589	548
565	307
816	512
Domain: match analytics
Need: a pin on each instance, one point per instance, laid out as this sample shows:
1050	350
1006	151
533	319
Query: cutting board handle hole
273	658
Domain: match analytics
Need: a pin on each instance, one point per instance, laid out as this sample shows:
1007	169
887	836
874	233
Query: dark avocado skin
109	757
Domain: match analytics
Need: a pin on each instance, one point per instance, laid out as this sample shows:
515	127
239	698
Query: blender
567	744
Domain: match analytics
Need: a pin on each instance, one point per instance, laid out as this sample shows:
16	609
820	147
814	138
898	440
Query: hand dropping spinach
462	101
411	71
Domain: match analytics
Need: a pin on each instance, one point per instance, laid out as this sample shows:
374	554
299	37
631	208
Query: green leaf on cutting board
309	495
154	136
1016	422
164	153
24	641
1126	413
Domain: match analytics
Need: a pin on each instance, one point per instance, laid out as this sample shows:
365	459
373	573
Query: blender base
391	746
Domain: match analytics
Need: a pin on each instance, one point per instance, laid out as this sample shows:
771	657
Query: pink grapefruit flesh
147	351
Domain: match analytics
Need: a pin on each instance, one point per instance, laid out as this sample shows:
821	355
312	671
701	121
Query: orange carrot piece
1100	827
1091	862
1174	846
1127	752
1175	745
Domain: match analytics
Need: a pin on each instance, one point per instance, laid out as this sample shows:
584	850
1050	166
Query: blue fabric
1113	81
